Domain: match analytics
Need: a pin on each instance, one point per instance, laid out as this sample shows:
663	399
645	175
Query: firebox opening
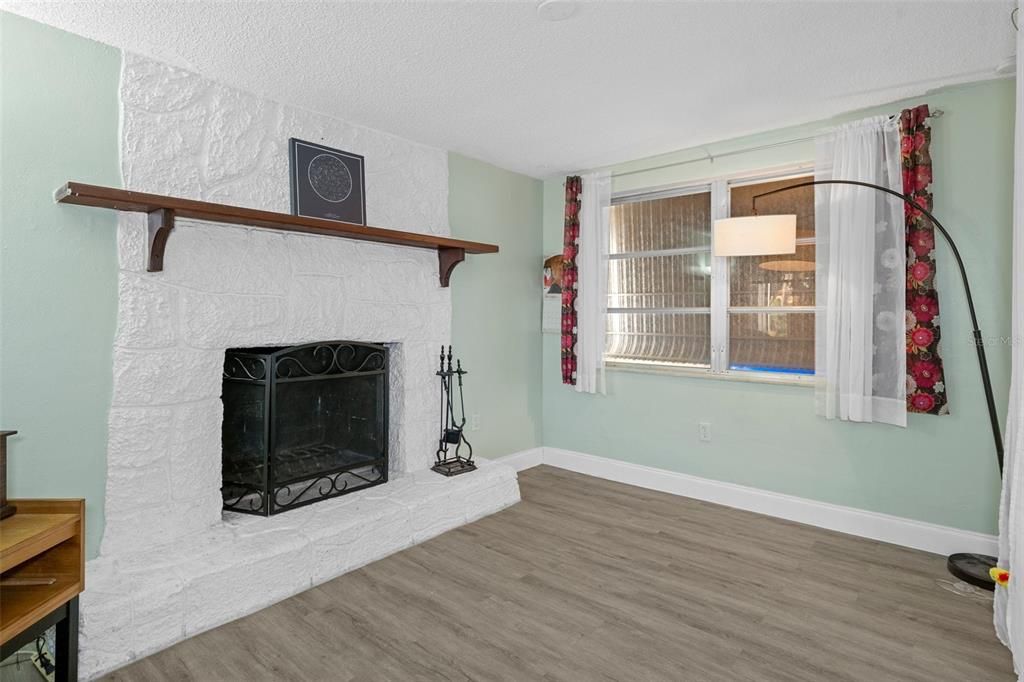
303	424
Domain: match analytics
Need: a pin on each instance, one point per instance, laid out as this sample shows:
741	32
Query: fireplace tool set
450	460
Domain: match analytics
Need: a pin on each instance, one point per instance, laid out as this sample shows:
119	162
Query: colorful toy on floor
1000	575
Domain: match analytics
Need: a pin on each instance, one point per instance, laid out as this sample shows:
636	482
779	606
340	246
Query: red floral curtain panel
573	186
926	388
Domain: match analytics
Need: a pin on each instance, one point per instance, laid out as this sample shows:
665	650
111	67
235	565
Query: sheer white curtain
1009	606
592	267
860	344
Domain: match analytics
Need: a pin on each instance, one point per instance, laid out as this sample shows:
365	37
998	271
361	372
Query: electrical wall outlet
704	432
474	421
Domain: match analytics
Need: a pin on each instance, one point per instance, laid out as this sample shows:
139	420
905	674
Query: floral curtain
573	187
926	389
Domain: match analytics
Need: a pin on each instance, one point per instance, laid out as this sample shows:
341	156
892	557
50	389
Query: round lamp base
973	569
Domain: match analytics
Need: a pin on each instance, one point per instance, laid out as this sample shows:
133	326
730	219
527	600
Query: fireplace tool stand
450	460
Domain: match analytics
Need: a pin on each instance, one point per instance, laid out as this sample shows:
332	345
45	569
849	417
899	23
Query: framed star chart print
327	183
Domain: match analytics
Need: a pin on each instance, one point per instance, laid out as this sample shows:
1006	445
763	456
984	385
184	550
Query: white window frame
719	187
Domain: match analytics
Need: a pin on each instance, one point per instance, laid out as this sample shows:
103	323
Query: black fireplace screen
303	424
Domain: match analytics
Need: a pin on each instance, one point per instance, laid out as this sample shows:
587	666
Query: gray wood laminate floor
592	580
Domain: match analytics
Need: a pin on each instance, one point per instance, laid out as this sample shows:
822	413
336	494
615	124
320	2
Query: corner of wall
496	303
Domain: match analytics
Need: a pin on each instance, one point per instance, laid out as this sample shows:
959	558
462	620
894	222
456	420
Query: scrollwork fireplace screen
303	424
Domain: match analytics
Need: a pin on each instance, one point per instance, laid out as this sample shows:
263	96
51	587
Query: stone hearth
141	602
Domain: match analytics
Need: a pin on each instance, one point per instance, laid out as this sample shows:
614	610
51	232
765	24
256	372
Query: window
659	280
671	303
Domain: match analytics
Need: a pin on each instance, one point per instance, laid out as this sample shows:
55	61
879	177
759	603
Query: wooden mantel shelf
163	210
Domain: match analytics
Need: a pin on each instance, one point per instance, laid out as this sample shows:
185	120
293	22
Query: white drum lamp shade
756	235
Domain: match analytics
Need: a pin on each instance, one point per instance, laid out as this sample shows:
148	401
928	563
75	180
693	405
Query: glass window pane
786	280
679	281
658	224
772	342
796	201
682	339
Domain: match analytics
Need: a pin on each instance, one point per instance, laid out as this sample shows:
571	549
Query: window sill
806	381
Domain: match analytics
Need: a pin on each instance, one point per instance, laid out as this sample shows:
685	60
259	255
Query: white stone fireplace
171	563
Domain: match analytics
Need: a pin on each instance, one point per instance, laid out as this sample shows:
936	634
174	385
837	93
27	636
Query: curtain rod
711	157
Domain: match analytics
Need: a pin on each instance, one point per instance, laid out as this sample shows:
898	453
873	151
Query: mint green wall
940	469
496	303
58	265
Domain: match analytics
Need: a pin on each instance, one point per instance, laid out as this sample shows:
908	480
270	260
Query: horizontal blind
659	280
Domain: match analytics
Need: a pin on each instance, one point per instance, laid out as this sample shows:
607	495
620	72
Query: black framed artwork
327	183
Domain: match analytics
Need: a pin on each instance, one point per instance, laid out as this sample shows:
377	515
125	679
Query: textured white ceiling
616	81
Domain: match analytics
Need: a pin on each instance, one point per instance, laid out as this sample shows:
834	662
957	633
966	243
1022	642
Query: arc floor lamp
776	234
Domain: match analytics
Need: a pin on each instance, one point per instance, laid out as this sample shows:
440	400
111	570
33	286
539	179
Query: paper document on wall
551	309
551	314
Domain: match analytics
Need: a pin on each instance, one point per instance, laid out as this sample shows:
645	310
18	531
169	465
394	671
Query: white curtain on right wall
860	325
1009	607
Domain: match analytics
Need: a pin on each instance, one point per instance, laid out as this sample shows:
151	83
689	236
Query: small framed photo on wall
551	308
327	183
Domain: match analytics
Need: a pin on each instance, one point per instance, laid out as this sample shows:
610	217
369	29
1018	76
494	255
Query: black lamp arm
979	341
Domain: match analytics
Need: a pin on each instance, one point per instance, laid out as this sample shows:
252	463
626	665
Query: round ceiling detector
556	10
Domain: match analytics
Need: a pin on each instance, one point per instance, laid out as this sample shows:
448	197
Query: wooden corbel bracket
161	222
447	259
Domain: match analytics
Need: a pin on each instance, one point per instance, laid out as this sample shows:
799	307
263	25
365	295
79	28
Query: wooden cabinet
42	571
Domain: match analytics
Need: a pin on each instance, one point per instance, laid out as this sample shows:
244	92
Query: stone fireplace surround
171	563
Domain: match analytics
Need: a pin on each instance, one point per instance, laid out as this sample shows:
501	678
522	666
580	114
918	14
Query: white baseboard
928	537
524	459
